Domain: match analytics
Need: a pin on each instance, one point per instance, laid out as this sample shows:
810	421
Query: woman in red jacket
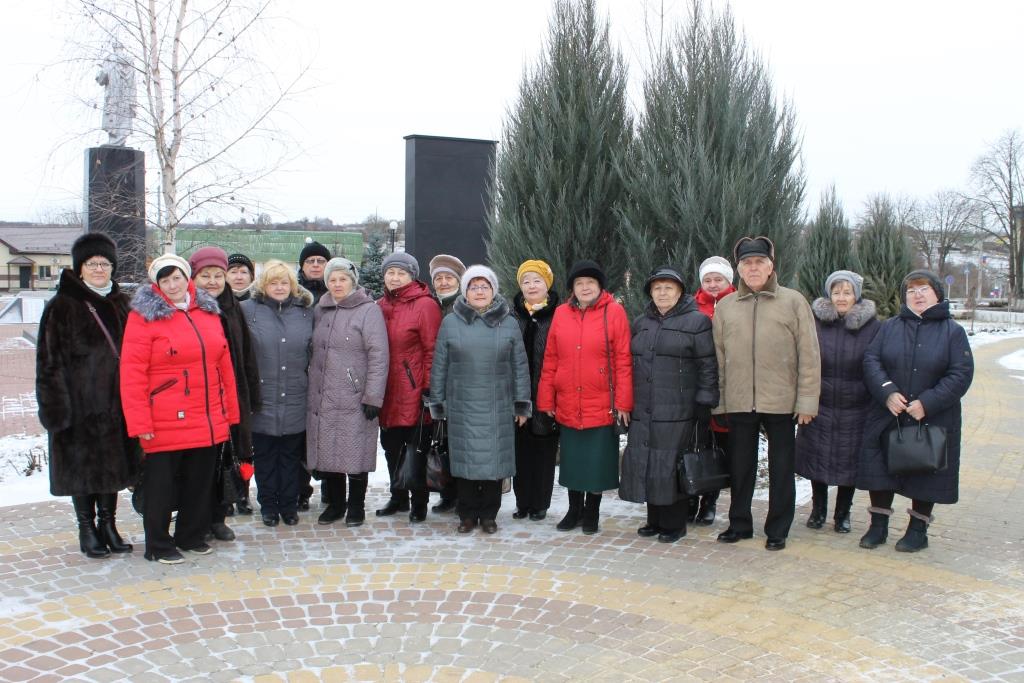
715	284
179	399
586	384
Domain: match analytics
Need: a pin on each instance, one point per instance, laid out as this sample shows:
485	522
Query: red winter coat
176	376
412	317
707	303
574	378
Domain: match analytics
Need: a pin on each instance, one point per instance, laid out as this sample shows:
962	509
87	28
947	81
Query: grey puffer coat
675	370
281	334
349	368
479	381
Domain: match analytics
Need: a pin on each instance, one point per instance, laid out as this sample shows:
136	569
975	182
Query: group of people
300	372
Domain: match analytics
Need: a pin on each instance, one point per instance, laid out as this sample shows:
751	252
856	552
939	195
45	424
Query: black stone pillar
446	198
115	204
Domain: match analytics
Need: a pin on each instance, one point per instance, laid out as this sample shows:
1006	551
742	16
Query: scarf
102	291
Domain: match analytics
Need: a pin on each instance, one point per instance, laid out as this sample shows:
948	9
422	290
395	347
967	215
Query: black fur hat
93	244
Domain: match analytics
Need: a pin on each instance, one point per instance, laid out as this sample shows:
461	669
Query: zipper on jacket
355	382
220	385
188	390
206	378
753	356
408	373
163	387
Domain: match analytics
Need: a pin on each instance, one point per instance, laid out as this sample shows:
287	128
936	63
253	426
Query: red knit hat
208	256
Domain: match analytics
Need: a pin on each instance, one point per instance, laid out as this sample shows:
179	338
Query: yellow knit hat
539	267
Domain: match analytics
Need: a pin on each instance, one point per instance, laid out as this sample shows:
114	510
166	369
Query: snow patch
1013	361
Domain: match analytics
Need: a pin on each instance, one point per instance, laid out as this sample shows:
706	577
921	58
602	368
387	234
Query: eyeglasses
98	265
920	291
316	261
478	288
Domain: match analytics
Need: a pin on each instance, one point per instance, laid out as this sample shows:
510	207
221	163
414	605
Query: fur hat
340	263
93	244
932	278
313	248
208	256
855	280
476	272
716	264
403	260
753	246
587	268
242	260
539	267
164	260
664	273
445	263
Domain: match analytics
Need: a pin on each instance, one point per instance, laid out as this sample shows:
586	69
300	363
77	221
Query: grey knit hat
341	263
403	260
855	280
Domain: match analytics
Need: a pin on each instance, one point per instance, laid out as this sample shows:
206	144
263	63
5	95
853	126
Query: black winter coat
828	449
674	370
926	358
247	374
535	338
78	391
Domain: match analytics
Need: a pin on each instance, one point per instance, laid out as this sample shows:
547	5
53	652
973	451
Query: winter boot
572	516
334	487
916	537
819	506
844	499
878	532
106	505
693	507
708	508
356	514
88	538
591	509
399	502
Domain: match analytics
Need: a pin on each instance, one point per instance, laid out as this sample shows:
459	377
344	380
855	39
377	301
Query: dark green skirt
588	459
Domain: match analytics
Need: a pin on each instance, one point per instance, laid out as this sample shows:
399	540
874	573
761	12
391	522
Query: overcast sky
890	96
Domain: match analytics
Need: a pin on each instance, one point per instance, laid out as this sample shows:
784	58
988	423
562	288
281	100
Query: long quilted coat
828	449
413	317
574	379
480	380
78	392
926	358
177	381
674	370
281	334
349	368
247	375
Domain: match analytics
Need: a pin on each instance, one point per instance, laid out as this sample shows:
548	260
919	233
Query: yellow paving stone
481	677
268	678
367	672
448	674
334	674
302	677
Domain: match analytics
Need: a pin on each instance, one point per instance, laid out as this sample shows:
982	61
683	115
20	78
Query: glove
371	412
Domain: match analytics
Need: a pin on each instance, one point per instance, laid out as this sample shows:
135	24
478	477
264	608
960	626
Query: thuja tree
370	273
883	255
716	155
558	179
826	246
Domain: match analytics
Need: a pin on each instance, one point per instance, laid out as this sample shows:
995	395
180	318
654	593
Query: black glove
371	412
703	414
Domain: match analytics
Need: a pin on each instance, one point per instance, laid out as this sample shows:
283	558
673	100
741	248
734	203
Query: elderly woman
586	384
179	397
347	376
828	449
77	389
280	319
480	383
918	367
675	386
536	441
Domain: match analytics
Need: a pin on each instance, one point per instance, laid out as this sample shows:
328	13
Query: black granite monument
115	204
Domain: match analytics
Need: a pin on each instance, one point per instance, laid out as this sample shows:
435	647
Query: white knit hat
164	260
716	264
478	271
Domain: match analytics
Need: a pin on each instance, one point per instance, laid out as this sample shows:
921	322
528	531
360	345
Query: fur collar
71	285
492	317
544	313
151	304
861	312
357	297
686	304
770	288
304	299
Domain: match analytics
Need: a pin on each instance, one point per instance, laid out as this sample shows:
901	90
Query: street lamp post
393	226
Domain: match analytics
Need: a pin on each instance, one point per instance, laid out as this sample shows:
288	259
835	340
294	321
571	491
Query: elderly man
769	374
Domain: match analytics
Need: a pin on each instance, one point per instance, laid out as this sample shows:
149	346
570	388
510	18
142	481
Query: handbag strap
106	333
608	362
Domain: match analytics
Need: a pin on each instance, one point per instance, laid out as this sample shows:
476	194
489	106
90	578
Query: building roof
34	238
263	245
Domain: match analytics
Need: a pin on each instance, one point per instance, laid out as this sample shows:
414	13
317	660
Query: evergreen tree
559	179
826	247
715	158
371	275
883	255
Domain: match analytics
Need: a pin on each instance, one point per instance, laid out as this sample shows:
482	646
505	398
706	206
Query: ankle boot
356	514
844	499
399	502
916	537
819	507
572	516
878	532
88	539
334	487
591	509
706	511
106	505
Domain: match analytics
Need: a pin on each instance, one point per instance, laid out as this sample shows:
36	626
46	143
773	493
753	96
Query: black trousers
478	499
394	440
279	471
535	469
668	517
743	434
305	477
177	479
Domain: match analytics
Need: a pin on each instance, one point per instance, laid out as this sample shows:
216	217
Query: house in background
32	255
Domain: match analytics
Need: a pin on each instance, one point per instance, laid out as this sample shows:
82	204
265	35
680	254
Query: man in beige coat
769	374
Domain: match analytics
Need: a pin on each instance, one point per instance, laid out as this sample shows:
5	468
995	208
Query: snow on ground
989	334
24	475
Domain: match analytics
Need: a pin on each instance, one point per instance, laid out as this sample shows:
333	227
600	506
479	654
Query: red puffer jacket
176	376
706	303
412	317
574	379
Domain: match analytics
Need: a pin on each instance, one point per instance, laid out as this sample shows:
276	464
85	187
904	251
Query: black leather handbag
439	470
918	450
703	468
411	471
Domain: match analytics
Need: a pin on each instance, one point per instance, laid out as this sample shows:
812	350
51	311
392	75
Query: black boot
106	505
819	505
708	508
356	514
878	532
916	537
88	538
591	509
334	488
572	516
399	503
844	499
693	507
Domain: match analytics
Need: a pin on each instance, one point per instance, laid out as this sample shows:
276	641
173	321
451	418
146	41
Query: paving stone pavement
388	601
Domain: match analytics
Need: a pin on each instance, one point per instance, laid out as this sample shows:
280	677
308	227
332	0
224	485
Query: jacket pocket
163	387
408	373
220	394
188	390
354	381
